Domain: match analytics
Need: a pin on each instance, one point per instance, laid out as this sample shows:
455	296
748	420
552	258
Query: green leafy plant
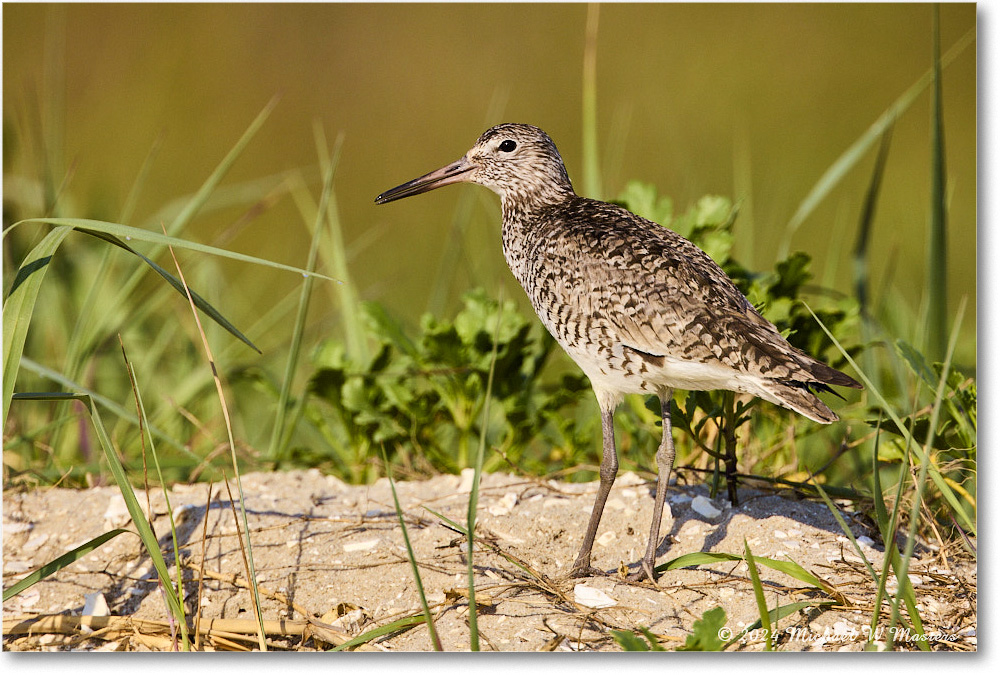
423	398
704	636
631	642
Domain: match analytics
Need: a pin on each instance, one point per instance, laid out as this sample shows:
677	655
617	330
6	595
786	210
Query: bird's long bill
456	172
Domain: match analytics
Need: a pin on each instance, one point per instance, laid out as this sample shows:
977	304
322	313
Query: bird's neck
527	224
527	205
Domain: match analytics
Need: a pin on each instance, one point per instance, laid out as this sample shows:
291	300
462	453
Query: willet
639	308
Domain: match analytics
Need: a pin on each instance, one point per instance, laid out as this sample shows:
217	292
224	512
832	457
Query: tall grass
937	240
120	299
853	154
19	316
278	443
591	160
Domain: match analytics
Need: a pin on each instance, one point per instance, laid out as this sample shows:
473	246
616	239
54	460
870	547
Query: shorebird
640	309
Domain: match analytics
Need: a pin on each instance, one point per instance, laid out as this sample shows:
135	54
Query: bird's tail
797	396
796	392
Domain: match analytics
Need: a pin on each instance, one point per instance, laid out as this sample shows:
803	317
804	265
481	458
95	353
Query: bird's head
517	161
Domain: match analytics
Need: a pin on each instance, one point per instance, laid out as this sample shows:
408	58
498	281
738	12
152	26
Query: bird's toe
581	571
645	571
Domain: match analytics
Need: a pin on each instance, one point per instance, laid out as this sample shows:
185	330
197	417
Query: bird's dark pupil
508	145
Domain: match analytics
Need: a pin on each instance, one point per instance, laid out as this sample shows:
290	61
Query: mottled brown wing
665	296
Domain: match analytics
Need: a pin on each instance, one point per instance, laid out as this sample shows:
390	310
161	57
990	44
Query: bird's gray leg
609	468
664	463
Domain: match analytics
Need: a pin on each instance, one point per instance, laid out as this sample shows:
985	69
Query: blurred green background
749	101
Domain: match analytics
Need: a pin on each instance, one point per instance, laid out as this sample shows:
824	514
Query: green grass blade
275	451
83	330
796	571
394	627
62	561
862	267
247	549
921	479
886	527
144	429
891	559
448	521
199	301
591	161
878	499
180	215
695	559
141	178
435	640
758	594
335	254
212	182
846	529
235	195
937	243
789	567
19	305
128	233
908	597
883	521
474	492
20	302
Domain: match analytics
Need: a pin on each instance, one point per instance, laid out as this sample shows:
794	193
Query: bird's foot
645	571
581	570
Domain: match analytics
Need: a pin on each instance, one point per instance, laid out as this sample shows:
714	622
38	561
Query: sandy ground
331	563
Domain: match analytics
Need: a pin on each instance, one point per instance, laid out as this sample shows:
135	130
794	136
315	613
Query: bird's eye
508	146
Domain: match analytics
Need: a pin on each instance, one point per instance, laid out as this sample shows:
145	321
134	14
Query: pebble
704	507
112	646
16	527
465	483
35	542
116	514
94	604
15	566
630	478
592	597
181	512
505	505
365	545
29	597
